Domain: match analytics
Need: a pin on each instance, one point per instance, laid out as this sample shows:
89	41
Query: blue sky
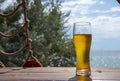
104	16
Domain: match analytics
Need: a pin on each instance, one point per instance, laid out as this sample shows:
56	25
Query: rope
14	53
26	20
13	35
25	27
27	45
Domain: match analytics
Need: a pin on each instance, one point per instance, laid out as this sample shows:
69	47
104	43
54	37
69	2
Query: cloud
115	9
70	5
79	2
103	26
106	27
102	2
112	9
81	7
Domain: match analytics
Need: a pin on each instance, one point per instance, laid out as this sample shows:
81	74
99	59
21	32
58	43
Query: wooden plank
37	70
57	73
47	70
40	73
37	76
56	69
97	76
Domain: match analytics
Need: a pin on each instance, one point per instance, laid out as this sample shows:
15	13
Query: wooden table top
57	74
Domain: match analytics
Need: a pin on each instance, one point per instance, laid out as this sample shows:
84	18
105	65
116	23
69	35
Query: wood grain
57	73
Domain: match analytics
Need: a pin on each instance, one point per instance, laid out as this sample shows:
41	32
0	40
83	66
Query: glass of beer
82	39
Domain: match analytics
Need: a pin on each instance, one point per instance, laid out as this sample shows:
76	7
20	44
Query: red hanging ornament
31	61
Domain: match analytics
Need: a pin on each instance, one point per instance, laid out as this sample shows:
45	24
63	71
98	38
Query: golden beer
83	78
82	43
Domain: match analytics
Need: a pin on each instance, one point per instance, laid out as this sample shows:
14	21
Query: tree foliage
50	44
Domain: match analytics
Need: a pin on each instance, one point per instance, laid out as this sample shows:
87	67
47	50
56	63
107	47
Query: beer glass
82	38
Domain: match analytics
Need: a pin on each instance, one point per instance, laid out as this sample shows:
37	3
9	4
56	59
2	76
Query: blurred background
51	26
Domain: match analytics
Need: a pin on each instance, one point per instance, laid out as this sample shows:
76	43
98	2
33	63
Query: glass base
84	72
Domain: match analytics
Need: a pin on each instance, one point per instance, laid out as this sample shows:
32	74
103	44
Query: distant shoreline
105	52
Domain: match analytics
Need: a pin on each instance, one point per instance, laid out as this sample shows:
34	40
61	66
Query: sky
104	15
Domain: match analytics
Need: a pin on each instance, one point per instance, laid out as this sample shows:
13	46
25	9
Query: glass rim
78	22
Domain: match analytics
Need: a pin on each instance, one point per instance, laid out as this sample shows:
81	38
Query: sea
105	59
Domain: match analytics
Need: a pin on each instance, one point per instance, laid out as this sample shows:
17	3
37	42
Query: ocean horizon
106	59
